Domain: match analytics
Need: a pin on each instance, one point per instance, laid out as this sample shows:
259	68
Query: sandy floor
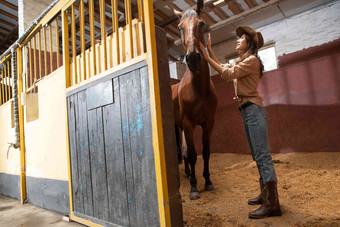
309	191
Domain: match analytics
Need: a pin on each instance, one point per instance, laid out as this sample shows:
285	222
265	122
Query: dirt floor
308	187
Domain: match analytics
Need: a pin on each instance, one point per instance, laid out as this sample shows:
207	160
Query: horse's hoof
209	187
194	195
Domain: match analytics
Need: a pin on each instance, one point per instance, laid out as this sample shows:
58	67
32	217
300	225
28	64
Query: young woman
246	73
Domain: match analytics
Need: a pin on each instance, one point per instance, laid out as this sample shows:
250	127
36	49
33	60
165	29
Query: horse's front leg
192	158
207	130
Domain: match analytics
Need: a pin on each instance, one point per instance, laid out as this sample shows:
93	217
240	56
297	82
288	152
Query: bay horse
194	97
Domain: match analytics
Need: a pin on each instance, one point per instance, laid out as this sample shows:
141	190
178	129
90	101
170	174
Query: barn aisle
13	214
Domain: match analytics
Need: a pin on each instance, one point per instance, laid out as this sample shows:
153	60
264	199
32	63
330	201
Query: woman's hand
204	52
209	42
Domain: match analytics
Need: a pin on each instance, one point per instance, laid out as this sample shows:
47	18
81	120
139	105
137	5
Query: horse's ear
178	13
200	5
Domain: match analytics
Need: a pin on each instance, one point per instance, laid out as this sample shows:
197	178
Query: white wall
46	148
10	165
312	28
308	29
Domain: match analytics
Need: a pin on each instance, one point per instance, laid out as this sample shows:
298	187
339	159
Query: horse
194	97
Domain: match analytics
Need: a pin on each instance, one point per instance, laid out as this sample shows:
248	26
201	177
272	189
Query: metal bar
45	49
74	51
57	41
51	48
92	34
82	35
156	116
115	27
21	131
103	30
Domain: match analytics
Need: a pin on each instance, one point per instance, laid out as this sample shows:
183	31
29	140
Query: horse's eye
179	28
201	23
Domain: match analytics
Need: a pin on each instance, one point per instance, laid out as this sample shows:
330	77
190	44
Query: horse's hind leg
192	158
207	130
185	154
178	144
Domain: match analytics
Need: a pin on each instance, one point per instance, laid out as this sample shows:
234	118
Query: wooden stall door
112	159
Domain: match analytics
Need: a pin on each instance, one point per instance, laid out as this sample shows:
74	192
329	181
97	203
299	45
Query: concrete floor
13	214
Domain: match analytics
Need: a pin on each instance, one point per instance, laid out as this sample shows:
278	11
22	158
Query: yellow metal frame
21	131
156	116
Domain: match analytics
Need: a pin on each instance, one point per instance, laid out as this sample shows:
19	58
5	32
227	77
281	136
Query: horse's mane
189	13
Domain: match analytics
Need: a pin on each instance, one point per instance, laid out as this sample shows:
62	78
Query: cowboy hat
254	34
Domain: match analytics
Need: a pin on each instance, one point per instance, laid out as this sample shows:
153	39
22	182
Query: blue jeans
255	122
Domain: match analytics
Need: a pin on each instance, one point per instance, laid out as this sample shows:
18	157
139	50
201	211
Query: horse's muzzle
193	61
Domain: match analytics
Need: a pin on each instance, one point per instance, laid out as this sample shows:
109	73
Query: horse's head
191	27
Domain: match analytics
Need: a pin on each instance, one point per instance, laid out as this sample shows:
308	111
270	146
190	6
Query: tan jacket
246	76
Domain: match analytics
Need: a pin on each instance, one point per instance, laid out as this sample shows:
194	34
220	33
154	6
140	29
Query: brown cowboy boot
270	202
258	199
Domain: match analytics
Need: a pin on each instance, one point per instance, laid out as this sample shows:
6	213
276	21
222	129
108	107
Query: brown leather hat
254	34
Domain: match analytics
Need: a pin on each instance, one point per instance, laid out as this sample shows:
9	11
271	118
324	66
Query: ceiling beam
8	14
234	6
237	17
251	3
9	5
7	23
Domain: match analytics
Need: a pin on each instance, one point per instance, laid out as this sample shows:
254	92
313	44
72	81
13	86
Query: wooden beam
234	6
8	14
9	5
237	17
220	13
9	36
5	29
7	23
251	3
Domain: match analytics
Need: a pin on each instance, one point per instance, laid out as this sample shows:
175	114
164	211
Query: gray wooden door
111	152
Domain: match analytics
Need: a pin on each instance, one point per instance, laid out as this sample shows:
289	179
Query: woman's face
241	44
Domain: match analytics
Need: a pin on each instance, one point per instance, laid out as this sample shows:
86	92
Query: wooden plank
99	95
40	61
35	59
57	41
115	28
93	39
74	51
148	189
51	47
2	87
98	165
136	142
83	149
117	188
82	38
45	50
124	81
78	205
103	33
